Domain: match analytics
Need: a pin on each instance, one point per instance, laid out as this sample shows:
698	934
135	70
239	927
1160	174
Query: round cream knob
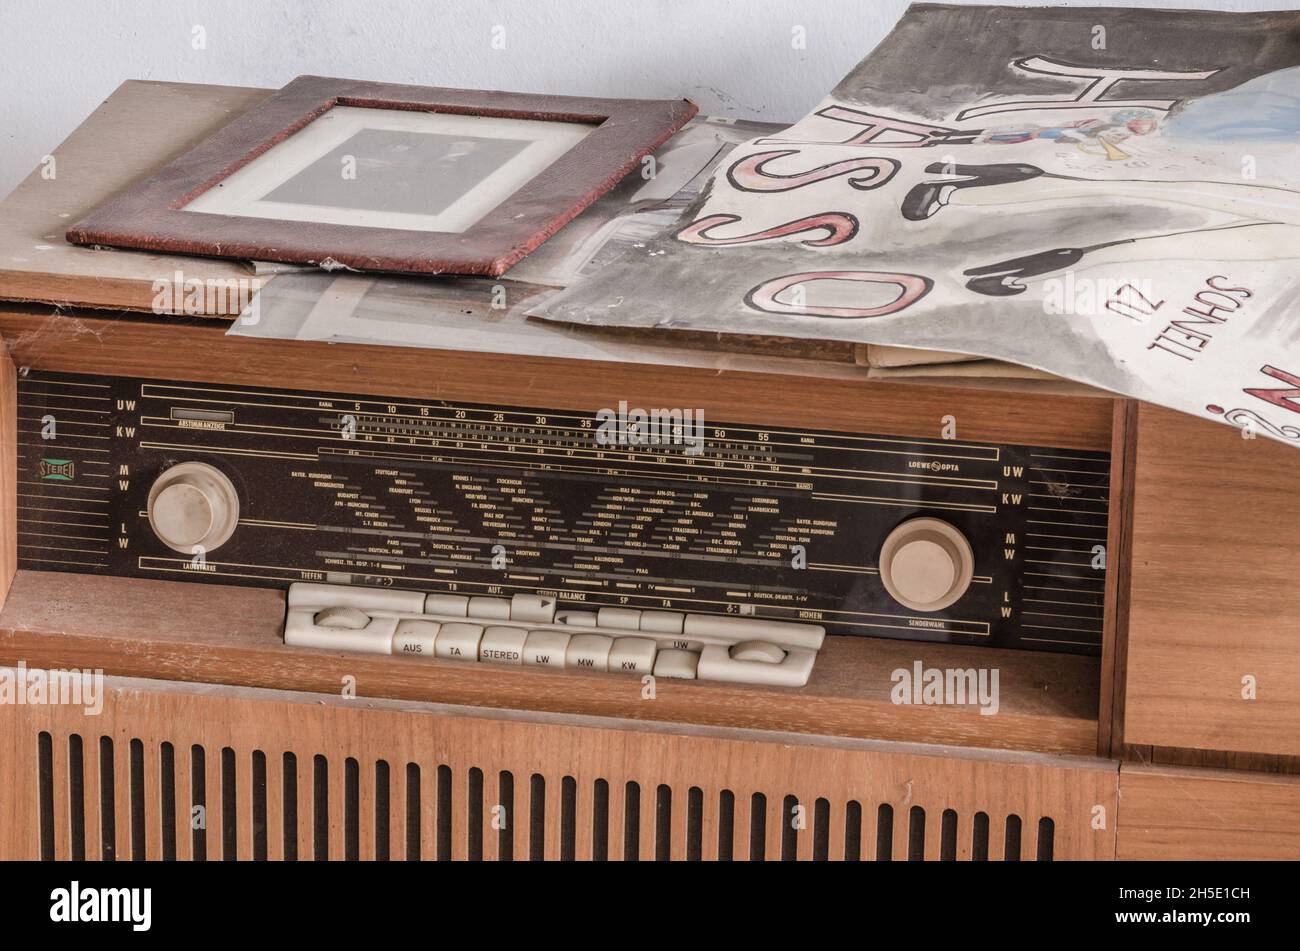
926	564
193	507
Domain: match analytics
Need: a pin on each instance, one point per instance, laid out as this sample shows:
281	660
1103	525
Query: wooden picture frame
154	215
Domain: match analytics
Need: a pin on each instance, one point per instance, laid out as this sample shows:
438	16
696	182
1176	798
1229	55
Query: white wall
60	58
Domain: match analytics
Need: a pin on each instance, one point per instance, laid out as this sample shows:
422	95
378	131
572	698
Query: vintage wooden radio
393	602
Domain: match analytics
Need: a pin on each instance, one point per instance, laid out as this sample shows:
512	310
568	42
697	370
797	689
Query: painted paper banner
1109	195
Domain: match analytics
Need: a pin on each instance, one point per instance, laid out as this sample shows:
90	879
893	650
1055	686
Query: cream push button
756	664
457	641
577	618
489	609
679	664
374	637
926	564
545	649
632	655
193	507
588	652
415	638
451	605
628	619
502	645
532	609
661	622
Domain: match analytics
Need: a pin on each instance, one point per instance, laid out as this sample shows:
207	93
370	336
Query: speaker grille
168	773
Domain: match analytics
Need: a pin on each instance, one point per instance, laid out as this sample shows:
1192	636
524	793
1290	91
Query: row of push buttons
528	630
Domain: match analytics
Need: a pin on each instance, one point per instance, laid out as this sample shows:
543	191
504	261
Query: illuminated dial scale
863	534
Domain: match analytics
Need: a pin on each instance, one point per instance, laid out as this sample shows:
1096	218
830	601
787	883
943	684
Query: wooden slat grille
223	773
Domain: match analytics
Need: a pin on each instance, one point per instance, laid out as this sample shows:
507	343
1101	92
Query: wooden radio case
1179	737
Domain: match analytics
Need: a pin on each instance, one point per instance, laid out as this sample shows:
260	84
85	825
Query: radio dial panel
870	534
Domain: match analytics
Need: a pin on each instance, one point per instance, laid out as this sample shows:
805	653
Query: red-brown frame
148	215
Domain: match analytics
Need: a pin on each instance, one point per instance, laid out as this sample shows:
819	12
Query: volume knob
926	564
193	507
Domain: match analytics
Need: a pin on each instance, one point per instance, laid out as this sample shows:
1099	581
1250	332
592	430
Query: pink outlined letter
838	225
1098	78
749	174
912	287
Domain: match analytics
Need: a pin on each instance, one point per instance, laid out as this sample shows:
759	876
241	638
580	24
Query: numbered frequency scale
935	539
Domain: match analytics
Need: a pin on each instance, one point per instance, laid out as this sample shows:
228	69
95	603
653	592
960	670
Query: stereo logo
951	685
656	427
74	903
56	470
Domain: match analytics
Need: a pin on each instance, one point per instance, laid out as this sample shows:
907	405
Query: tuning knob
926	564
193	506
